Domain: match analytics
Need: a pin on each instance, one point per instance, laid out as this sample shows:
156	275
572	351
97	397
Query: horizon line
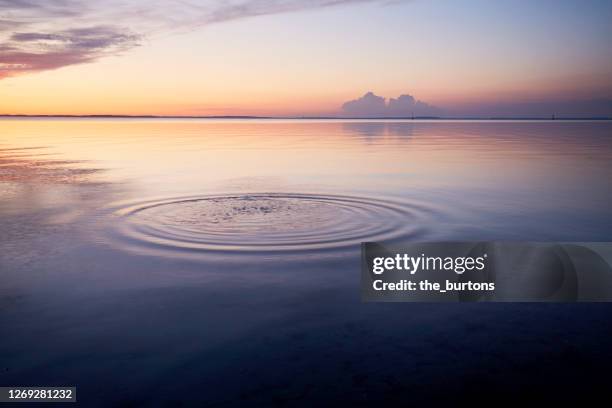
110	116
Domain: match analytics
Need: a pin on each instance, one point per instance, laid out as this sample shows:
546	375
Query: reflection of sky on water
83	311
377	129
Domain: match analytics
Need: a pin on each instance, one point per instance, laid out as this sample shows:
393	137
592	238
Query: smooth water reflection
495	178
217	261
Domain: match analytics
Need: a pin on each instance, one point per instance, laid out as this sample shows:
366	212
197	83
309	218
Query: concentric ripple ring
266	222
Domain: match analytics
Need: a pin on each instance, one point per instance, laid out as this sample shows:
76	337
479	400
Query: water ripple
267	223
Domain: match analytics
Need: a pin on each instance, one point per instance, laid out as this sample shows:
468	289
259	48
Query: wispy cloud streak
39	35
38	51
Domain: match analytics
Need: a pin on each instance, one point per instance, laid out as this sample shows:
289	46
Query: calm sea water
153	262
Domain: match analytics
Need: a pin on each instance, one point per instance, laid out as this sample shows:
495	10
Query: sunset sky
298	57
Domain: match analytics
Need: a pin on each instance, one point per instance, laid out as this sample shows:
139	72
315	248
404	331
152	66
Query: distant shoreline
500	118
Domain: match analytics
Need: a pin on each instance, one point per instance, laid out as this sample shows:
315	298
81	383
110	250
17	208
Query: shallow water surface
223	255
